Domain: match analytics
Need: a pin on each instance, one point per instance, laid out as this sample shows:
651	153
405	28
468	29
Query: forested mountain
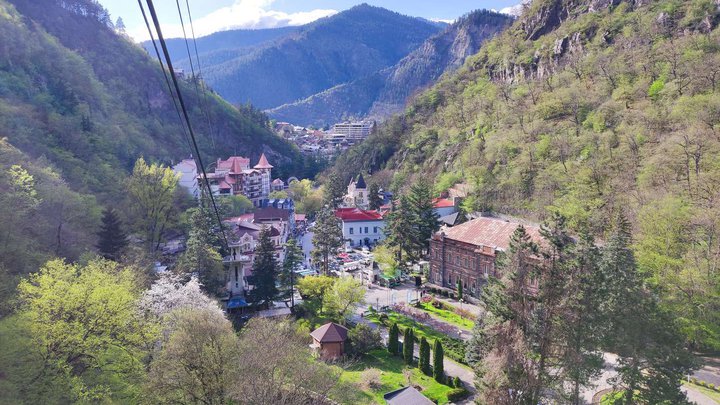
586	108
79	104
221	46
384	93
320	55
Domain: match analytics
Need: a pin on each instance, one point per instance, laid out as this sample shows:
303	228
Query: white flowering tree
169	293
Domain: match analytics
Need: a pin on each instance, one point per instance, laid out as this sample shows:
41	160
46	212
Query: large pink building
234	176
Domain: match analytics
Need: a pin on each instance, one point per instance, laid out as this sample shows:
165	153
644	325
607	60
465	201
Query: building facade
235	177
361	227
466	253
357	193
187	171
354	131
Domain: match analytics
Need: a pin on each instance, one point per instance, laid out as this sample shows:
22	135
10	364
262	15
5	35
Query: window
375	229
366	230
486	268
465	262
457	260
449	258
351	230
450	279
472	287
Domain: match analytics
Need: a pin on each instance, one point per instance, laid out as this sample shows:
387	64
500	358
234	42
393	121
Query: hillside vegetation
586	108
320	55
79	104
384	92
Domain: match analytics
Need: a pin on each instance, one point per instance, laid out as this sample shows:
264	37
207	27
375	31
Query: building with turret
235	177
357	193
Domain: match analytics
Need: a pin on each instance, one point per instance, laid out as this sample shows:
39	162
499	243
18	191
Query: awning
236	302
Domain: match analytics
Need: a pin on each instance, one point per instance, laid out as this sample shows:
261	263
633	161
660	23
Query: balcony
236	259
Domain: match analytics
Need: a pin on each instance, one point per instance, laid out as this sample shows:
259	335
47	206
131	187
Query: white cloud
443	20
515	10
250	14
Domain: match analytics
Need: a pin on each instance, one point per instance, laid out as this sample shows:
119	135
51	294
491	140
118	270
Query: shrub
445	293
449	382
702	384
457	383
457	394
694	380
452	296
711	386
370	379
363	338
438	366
383	318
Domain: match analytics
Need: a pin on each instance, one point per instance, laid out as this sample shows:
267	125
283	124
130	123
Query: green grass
609	399
454	348
350	390
714	395
448	316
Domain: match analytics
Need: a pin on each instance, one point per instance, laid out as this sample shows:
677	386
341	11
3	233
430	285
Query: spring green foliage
343	297
264	272
581	113
85	331
408	346
393	344
151	190
438	365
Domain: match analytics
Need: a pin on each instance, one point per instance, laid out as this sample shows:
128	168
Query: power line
156	22
167	79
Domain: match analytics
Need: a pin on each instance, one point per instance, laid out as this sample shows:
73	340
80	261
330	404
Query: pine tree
112	239
424	357
201	256
334	190
327	238
293	257
399	230
438	358
393	336
408	345
374	200
653	359
423	216
264	272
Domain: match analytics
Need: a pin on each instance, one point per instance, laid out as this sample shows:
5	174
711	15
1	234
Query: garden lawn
454	348
352	390
447	316
707	391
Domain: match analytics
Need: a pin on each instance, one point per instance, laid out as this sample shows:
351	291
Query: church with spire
234	176
357	193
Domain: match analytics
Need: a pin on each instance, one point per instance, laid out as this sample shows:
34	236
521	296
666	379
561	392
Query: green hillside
586	108
78	105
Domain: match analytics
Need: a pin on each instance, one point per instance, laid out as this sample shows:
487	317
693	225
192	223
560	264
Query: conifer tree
408	345
424	357
293	257
264	272
438	358
327	238
201	256
399	229
393	336
423	216
459	290
374	200
334	190
112	239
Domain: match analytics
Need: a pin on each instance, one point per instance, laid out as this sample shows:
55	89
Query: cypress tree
409	345
112	239
393	339
459	290
265	269
438	367
424	361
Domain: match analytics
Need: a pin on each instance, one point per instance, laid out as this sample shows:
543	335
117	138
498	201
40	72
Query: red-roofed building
234	176
445	206
361	227
466	252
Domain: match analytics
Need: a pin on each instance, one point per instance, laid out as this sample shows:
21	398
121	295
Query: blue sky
217	15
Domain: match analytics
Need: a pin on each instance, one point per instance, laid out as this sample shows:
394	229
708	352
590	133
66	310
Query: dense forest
585	109
384	92
322	54
79	103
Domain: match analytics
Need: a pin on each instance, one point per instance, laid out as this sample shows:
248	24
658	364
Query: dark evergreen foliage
393	342
112	239
264	274
408	345
438	365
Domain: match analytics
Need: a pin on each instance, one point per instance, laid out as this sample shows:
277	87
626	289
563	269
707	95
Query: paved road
307	246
